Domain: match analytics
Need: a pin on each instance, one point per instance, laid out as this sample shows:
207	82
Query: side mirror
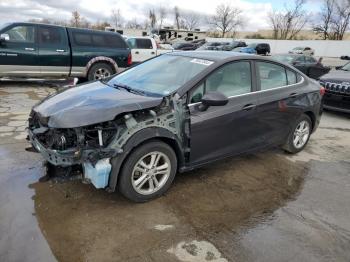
212	99
4	37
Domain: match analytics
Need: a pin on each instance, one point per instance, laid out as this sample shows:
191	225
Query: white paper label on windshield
201	61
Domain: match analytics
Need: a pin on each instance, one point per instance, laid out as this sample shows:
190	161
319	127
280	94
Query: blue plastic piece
98	175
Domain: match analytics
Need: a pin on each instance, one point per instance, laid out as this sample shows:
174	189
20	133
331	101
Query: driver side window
21	34
231	79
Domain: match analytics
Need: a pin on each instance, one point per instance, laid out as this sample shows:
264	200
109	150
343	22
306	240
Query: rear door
54	51
277	93
225	130
19	55
141	49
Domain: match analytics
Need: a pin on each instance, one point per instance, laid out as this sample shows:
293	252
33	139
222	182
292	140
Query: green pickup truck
49	51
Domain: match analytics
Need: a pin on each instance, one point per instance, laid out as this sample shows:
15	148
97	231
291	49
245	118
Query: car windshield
177	45
2	26
251	45
284	58
346	67
160	76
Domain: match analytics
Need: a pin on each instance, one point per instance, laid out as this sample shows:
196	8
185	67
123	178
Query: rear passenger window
144	43
271	75
50	35
99	40
291	77
82	39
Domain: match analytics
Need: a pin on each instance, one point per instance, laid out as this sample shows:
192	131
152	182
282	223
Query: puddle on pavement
207	206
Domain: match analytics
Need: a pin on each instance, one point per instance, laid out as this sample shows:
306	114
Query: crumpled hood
337	76
91	103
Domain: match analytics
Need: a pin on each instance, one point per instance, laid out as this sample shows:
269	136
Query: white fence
325	48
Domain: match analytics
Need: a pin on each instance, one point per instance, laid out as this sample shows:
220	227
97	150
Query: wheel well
312	117
102	62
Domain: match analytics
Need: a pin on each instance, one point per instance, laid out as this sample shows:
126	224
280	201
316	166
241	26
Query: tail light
129	59
322	91
158	45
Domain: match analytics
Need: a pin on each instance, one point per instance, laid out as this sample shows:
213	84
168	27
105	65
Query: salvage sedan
174	113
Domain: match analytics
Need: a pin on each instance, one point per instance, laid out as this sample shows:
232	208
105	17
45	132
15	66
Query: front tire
299	136
148	172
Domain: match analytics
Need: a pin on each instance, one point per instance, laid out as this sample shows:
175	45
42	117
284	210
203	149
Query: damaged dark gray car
171	114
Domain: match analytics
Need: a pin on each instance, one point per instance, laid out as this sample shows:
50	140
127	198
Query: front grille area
337	88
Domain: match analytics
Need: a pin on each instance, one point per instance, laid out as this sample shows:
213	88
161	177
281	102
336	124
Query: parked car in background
302	50
307	64
233	45
184	46
143	48
199	42
174	113
337	85
255	48
213	46
49	51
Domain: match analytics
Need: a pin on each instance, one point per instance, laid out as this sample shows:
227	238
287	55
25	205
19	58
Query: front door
19	53
224	130
54	51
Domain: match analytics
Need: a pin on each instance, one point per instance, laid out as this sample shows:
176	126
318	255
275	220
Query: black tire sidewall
96	66
124	184
290	145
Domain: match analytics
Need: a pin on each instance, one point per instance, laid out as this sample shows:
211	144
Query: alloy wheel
101	73
301	134
151	173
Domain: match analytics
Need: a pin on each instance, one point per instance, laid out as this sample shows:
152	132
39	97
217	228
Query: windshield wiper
129	89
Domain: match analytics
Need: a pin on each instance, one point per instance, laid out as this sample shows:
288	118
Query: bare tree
133	24
226	19
191	20
152	18
117	18
289	22
333	19
325	17
340	21
76	19
162	13
177	16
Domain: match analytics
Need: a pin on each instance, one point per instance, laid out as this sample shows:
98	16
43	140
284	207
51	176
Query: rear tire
299	136
100	71
141	179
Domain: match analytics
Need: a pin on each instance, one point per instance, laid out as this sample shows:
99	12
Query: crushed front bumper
57	158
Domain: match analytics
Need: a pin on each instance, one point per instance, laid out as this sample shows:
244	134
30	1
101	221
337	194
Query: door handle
29	49
152	53
137	52
60	50
293	95
249	107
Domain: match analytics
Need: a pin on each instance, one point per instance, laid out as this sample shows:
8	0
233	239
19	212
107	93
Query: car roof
211	55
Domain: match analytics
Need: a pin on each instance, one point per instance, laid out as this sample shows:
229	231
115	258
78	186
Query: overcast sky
254	11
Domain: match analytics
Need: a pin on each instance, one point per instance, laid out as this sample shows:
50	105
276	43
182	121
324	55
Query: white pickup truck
143	48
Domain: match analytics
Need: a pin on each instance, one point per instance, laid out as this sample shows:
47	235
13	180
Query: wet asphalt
268	206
